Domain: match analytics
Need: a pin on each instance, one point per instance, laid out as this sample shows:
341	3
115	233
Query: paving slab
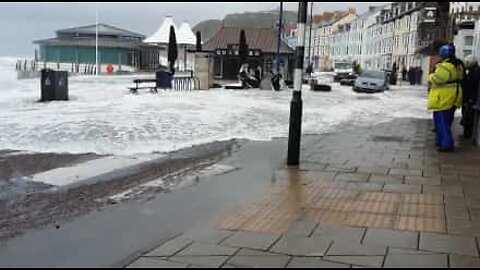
391	238
339	168
257	259
352	249
458	261
207	235
251	240
449	244
418	180
475	214
204	249
170	247
352	177
405	172
387	179
402	188
416	261
373	170
302	229
301	262
463	227
460	213
338	232
446	190
201	261
301	246
311	166
403	251
144	262
365	261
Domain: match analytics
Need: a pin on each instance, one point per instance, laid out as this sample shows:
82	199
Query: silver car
371	81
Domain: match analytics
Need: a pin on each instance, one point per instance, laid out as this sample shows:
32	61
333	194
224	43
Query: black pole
185	58
277	64
310	34
295	128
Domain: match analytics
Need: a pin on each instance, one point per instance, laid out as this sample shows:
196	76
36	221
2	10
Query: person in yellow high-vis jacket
445	95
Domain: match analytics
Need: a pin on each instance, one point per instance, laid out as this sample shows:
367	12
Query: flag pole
96	40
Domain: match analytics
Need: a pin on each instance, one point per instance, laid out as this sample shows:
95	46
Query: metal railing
180	83
25	65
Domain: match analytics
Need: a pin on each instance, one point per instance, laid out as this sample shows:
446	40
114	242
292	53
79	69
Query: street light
295	127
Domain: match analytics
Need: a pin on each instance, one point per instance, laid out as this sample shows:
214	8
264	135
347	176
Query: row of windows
463	9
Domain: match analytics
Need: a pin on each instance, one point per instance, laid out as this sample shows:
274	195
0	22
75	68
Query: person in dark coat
309	70
258	73
419	74
470	94
411	75
404	73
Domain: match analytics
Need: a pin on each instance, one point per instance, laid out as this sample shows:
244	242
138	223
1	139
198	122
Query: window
467	53
468	40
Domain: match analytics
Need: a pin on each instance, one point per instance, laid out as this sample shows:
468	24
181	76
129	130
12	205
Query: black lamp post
295	127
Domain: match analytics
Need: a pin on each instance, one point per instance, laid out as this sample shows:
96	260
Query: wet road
113	236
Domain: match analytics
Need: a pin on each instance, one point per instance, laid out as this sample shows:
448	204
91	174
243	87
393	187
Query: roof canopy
185	35
103	30
163	33
265	39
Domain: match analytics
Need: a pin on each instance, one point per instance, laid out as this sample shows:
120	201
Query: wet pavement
123	231
97	185
375	196
366	197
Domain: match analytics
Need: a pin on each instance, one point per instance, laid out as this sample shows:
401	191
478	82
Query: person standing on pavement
404	73
411	75
418	75
470	94
445	95
309	70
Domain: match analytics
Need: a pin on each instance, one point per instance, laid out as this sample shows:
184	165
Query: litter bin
164	79
54	85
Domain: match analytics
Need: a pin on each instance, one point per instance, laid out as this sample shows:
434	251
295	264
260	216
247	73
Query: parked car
350	80
371	81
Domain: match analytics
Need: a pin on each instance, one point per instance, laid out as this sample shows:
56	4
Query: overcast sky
24	22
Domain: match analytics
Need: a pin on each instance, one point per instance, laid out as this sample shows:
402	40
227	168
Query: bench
153	89
182	82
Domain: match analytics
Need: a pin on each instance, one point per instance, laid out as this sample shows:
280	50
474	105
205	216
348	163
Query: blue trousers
443	125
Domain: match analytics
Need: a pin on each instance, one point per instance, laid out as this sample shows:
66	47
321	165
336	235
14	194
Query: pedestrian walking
445	95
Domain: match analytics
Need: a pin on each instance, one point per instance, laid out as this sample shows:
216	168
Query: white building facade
467	36
371	45
465	11
339	39
405	34
393	35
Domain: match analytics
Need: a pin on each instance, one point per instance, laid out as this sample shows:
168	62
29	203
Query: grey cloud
24	22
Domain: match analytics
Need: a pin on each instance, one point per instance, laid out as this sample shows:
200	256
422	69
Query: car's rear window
373	74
